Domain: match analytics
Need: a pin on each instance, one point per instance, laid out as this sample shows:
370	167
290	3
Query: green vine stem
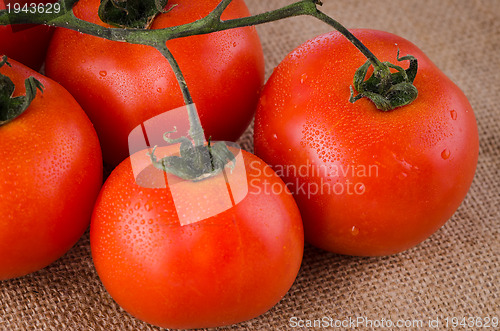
195	128
383	88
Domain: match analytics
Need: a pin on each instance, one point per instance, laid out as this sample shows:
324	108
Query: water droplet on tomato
453	114
275	136
445	154
354	231
103	73
234	44
263	101
137	206
158	90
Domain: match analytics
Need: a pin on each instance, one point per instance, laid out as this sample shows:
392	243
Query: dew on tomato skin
402	175
303	77
445	154
453	114
103	73
354	231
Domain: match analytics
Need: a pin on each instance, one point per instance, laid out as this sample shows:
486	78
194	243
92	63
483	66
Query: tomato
220	270
50	175
25	43
121	85
367	182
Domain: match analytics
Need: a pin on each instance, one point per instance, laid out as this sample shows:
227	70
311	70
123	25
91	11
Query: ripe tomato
121	85
366	182
50	175
221	270
26	44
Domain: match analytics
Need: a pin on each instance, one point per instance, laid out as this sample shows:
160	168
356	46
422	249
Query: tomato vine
387	90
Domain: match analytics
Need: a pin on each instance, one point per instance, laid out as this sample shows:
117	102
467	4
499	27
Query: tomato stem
210	23
352	38
196	160
217	12
387	90
195	129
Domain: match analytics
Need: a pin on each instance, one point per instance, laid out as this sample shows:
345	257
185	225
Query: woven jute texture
454	273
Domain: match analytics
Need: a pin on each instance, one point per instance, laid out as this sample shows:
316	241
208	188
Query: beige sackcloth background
454	273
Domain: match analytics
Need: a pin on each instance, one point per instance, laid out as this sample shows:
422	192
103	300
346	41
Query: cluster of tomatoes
348	177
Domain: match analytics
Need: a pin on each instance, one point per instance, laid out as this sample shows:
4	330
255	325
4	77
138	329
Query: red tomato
218	271
50	175
121	85
26	44
366	182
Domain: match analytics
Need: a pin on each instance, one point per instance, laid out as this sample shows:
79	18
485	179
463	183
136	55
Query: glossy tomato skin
221	270
373	182
121	85
25	43
50	175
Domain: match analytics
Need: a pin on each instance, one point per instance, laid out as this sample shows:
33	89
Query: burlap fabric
455	273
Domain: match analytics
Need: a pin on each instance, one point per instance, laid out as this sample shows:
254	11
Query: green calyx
195	162
385	89
136	14
12	107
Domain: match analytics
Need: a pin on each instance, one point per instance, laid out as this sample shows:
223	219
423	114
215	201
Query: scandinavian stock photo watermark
334	179
163	136
365	322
